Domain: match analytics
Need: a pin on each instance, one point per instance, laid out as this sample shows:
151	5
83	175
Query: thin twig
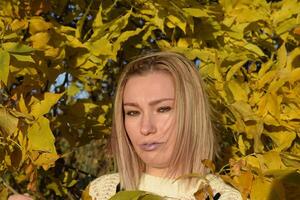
8	186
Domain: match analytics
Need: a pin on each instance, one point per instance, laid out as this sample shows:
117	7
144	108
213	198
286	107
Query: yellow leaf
100	47
18	24
4	66
101	119
287	9
276	85
4	193
158	21
15	47
54	53
293	59
234	69
23	58
227	4
261	188
237	90
265	68
40	137
117	25
163	44
98	19
74	42
295	76
89	65
38	24
8	123
282	139
242	146
290	159
245	182
105	107
286	26
122	38
177	22
88	107
43	107
254	130
245	110
282	56
183	42
267	78
72	90
22	106
270	120
254	48
40	40
273	104
46	160
58	190
270	160
196	12
80	22
252	161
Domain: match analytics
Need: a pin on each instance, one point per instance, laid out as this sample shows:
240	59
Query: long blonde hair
195	139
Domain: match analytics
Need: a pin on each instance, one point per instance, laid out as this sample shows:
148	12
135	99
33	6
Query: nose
147	124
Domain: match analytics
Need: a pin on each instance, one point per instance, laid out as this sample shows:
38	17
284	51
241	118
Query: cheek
166	125
131	129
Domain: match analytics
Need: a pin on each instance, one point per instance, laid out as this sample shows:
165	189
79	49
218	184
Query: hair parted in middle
195	139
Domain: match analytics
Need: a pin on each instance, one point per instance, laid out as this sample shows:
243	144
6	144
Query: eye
132	113
164	109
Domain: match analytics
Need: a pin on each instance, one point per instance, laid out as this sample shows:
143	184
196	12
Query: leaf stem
8	186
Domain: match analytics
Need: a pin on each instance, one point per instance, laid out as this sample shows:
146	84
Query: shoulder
104	187
219	186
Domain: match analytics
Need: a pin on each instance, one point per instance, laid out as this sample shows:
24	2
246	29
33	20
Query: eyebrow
151	103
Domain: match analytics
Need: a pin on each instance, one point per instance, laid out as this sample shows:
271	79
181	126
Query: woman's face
148	103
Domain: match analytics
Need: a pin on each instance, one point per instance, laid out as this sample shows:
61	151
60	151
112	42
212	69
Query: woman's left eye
164	109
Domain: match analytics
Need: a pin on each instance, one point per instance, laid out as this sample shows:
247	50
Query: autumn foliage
59	62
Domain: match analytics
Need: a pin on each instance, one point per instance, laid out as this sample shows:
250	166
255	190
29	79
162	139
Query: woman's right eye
132	113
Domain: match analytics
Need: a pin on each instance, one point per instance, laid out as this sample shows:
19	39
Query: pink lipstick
150	146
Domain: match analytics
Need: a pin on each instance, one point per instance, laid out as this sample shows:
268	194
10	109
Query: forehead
150	86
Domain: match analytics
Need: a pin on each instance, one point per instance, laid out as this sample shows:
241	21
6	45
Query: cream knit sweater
104	188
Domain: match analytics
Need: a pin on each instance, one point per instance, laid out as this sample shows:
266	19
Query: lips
150	146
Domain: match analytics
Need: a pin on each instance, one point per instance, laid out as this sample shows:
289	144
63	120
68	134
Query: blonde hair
194	139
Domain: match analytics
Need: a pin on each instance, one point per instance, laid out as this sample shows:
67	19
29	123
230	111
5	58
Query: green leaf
135	195
15	47
4	66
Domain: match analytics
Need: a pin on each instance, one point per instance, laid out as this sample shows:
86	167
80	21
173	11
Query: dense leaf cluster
59	61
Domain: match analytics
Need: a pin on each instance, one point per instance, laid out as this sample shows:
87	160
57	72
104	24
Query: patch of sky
197	62
60	80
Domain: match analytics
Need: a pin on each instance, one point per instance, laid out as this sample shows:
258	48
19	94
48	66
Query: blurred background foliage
59	62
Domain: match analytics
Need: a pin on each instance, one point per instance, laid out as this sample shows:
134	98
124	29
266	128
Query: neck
161	172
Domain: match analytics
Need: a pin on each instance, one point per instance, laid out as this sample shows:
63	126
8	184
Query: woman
161	130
